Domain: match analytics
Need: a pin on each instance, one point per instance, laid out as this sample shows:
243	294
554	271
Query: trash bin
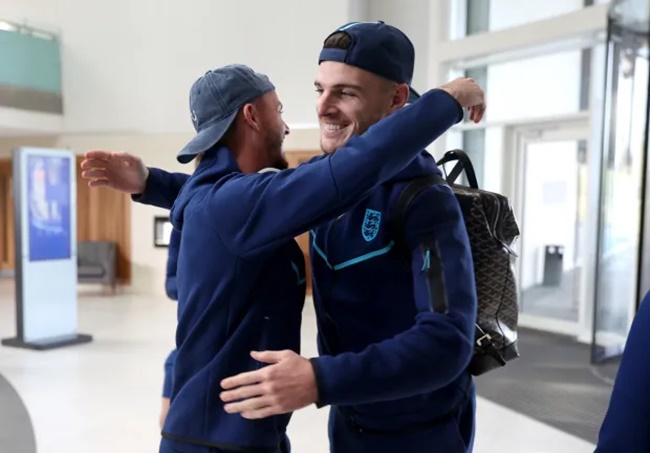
553	265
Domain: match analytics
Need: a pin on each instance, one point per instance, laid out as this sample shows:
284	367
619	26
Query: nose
286	129
324	105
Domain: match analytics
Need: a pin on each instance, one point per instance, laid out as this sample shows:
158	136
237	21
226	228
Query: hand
469	95
287	385
163	412
116	170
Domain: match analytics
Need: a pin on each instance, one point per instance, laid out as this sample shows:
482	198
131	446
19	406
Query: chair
97	263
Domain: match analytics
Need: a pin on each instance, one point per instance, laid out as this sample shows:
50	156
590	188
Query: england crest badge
371	223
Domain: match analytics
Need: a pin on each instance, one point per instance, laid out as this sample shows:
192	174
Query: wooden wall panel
7	240
102	215
295	158
105	215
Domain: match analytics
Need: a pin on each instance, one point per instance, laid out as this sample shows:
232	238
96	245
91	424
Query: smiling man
395	324
240	274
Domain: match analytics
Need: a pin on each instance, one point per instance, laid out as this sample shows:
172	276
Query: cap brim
413	95
205	139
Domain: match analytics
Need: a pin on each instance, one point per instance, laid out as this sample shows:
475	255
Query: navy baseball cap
378	48
215	100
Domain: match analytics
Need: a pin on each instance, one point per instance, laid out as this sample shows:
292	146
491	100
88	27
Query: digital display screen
48	198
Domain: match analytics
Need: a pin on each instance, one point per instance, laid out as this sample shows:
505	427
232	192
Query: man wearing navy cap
395	335
240	274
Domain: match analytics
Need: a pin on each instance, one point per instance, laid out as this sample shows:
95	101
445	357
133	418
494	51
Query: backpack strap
464	165
406	197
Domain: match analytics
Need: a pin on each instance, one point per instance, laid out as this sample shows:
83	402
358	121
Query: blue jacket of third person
627	424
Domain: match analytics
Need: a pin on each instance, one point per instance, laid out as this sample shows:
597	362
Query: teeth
333	127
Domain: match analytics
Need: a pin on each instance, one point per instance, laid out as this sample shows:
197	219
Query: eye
347	93
319	90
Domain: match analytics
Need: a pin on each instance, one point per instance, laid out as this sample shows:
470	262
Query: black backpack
492	229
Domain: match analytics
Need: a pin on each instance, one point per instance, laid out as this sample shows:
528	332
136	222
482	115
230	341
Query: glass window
480	16
541	86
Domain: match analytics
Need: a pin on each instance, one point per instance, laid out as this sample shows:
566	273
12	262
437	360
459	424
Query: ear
251	117
400	97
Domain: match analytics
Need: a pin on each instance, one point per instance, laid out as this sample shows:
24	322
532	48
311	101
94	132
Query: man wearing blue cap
240	274
395	336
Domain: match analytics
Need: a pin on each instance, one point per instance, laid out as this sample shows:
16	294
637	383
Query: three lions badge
371	223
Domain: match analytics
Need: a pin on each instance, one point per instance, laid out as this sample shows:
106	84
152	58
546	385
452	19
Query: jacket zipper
432	265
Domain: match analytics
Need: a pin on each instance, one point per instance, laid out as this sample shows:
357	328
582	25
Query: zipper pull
426	265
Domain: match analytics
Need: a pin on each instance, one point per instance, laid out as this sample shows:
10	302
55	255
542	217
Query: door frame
517	137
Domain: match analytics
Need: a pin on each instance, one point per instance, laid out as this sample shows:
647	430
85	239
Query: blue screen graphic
48	198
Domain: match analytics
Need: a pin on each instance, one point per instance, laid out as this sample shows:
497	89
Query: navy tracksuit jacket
172	293
627	424
393	351
240	279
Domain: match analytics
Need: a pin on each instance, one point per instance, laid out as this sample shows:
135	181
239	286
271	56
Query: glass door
620	244
552	201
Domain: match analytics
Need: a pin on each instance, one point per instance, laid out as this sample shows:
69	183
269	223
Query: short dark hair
338	40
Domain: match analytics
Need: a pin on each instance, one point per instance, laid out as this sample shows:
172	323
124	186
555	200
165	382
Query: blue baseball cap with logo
215	99
378	48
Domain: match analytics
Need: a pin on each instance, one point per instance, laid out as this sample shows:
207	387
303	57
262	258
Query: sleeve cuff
461	111
137	197
318	377
150	189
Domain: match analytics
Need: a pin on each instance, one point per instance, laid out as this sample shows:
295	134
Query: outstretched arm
265	209
161	189
127	173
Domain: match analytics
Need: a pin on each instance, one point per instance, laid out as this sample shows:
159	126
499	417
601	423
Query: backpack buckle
486	345
485	337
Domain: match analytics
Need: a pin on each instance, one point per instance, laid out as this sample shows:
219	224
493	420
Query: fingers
102	158
250	405
263	413
269	356
479	111
240	380
476	113
95	173
98	154
125	159
93	162
241	393
98	183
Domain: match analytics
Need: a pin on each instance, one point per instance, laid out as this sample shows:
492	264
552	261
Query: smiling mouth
333	128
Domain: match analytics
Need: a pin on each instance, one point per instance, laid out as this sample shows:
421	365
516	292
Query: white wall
138	78
128	64
42	14
412	17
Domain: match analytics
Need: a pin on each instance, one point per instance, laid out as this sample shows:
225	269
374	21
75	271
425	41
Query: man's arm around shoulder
264	209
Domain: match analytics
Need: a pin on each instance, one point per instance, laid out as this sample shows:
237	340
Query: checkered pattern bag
492	229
